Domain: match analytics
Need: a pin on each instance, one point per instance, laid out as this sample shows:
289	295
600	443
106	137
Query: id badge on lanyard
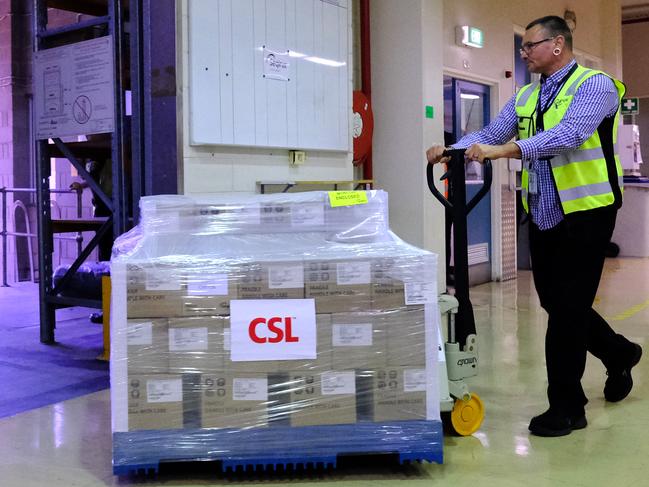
532	182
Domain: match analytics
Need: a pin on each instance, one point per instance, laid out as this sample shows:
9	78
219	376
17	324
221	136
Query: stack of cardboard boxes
174	318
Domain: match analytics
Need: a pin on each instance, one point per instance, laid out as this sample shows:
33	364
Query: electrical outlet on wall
296	157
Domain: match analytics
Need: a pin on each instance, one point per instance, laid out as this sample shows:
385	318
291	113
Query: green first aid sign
630	106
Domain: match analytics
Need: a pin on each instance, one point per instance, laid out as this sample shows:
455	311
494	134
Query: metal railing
28	234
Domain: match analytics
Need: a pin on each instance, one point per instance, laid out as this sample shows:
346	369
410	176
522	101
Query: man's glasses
528	47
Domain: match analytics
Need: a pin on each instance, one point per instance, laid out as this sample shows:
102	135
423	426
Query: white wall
636	59
213	169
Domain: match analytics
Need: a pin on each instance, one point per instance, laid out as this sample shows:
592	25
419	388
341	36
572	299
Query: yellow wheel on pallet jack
467	416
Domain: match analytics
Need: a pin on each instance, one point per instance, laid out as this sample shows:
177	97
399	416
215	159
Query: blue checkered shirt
594	100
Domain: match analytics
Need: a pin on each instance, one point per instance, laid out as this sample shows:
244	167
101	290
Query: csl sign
279	330
272	329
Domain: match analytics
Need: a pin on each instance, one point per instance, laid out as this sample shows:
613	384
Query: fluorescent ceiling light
468	96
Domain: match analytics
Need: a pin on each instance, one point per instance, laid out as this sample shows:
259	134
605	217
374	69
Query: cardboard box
275	214
406	336
195	345
358	340
155	402
271	280
322	398
225	216
208	293
234	400
229	366
339	286
307	216
390	278
153	291
147	346
387	289
399	393
323	362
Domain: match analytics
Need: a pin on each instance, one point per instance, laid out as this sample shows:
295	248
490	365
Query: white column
407	75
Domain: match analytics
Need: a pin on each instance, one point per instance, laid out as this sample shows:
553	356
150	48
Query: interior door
466	110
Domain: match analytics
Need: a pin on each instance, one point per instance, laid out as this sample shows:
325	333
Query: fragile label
349	273
249	389
285	277
352	335
414	380
420	292
347	198
208	285
164	390
162	280
140	334
187	339
338	383
307	215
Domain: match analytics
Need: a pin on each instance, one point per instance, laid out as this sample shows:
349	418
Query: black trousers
567	263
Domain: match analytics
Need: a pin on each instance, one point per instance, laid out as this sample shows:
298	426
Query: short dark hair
555	26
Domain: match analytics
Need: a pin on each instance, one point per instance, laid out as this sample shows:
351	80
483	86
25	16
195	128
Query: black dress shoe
556	423
619	382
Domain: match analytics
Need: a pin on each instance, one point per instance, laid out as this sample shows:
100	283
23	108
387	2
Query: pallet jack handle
479	195
459	210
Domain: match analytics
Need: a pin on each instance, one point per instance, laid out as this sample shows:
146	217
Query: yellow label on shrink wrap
347	198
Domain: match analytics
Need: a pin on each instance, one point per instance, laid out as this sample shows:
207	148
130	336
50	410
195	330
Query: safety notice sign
74	89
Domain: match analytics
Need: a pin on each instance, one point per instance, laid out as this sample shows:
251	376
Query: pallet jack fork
460	354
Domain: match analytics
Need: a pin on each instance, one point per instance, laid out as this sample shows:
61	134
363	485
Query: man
566	128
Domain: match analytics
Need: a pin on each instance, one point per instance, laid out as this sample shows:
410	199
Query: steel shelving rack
108	19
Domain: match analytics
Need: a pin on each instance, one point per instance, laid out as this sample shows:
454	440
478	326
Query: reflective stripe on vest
579	155
596	189
572	89
525	93
580	175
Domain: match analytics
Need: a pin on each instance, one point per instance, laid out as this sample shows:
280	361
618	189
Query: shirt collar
557	75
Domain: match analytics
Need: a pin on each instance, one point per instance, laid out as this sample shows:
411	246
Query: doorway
466	110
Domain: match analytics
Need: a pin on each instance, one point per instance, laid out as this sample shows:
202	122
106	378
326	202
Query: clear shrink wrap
253	327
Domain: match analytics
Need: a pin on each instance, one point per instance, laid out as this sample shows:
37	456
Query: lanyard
541	111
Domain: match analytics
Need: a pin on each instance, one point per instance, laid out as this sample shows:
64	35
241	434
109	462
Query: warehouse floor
69	443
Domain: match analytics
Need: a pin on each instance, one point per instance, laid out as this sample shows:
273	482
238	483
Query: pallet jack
459	359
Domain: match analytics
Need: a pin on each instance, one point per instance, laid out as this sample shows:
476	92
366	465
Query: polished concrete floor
69	444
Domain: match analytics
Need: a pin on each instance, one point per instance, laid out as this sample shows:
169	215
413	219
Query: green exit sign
630	106
475	36
465	35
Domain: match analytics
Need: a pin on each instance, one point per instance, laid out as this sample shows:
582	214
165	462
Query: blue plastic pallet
267	449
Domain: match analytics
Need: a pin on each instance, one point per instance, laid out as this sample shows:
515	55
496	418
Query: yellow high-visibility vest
587	177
